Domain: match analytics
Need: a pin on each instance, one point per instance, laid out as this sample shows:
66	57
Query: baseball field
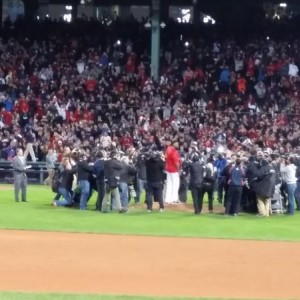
59	253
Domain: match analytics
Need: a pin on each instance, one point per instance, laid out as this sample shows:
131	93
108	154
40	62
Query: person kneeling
65	184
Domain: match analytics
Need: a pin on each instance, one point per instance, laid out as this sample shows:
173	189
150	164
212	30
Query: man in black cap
155	170
112	168
99	173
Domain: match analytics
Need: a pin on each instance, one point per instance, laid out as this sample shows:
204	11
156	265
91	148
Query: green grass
35	296
38	214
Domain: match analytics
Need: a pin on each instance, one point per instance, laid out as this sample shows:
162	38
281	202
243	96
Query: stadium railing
36	175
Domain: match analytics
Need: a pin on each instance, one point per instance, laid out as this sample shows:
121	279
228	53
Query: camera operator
155	172
84	172
112	169
184	180
251	205
209	180
225	173
196	172
141	174
99	173
126	178
264	184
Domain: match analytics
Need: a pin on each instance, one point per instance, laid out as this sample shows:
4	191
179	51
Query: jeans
123	186
67	197
85	193
234	199
141	185
291	200
297	195
112	194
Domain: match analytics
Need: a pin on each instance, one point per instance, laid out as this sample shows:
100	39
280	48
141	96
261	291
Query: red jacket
172	160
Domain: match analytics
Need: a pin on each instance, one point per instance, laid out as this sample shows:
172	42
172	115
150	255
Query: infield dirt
149	266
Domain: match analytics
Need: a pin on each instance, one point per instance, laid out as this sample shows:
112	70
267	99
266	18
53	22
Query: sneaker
123	211
54	203
161	210
149	210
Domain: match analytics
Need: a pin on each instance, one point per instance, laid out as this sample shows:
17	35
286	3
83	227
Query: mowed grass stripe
38	214
46	296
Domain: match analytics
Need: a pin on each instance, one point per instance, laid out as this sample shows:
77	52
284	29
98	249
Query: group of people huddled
245	181
85	85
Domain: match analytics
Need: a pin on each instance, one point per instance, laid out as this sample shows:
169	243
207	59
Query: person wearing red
172	169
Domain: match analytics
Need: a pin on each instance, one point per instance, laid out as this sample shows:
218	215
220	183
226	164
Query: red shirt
172	160
23	106
91	85
7	117
126	141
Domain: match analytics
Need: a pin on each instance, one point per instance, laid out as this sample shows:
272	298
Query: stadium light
186	44
148	25
283	5
68	18
163	25
69	7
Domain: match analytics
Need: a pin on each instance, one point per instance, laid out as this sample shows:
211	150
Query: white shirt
293	70
289	174
105	141
62	111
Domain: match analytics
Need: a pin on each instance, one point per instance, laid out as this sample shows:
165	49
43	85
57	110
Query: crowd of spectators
80	86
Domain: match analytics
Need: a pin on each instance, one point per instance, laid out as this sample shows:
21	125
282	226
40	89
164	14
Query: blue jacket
225	76
237	176
8	105
220	164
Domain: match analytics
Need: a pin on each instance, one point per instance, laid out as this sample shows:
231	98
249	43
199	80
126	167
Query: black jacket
226	173
84	170
141	167
127	173
99	169
66	179
112	168
264	185
196	170
184	174
155	168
